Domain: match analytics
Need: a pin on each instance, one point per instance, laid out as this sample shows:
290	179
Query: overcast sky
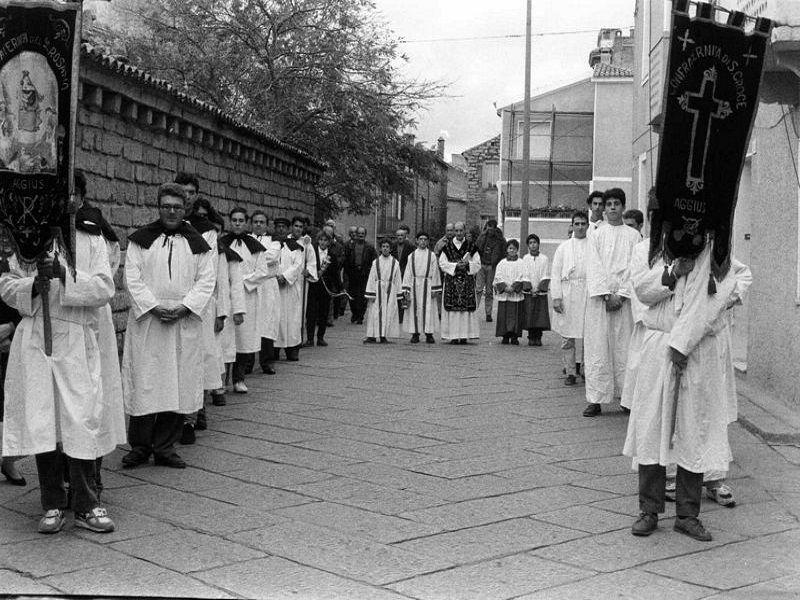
483	71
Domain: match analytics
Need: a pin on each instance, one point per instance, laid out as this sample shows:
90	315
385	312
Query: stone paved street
379	472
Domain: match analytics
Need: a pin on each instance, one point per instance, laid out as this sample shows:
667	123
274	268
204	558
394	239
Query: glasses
171	208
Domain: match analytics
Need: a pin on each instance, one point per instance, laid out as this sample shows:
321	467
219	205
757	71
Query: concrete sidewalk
409	471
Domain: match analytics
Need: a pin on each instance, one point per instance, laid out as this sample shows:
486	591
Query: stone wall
135	132
481	202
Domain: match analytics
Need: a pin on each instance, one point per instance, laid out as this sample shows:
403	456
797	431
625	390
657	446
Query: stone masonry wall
478	200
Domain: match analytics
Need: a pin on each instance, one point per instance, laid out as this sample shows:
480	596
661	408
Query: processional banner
710	99
39	53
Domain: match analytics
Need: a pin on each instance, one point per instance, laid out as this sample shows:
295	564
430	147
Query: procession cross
704	108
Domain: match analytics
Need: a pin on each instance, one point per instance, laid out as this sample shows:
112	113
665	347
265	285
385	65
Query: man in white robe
384	292
421	286
269	296
609	321
684	346
460	262
169	272
59	399
568	292
596	206
290	283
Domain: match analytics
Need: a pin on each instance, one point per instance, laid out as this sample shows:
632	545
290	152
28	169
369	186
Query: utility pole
526	135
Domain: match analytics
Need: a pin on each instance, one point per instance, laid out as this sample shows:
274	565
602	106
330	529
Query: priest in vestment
169	273
684	346
290	284
421	285
568	291
609	322
384	292
59	399
460	262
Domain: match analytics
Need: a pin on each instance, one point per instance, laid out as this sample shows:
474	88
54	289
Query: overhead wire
509	36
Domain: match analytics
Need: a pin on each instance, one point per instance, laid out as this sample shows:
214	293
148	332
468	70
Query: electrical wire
511	36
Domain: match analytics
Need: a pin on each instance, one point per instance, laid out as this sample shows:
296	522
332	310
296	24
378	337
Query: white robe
460	324
420	281
162	367
537	268
689	320
607	334
58	398
384	290
509	272
269	295
211	353
640	252
568	282
255	272
292	263
235	303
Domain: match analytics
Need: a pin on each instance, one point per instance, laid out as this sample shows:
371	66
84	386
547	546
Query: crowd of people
208	295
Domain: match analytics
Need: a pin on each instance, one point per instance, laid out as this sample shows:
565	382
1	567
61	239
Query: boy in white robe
609	322
293	265
170	277
384	291
537	312
421	287
269	313
568	291
59	399
510	283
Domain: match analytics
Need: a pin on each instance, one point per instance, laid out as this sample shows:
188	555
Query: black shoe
20	481
134	459
321	342
360	322
429	339
202	422
646	524
187	436
463	341
415	338
592	410
308	344
570	380
514	341
488	318
504	341
370	340
532	343
268	371
692	527
385	341
248	370
454	342
218	400
173	461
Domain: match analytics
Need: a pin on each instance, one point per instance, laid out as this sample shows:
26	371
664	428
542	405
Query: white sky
485	71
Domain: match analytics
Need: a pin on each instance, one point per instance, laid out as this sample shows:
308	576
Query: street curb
767	415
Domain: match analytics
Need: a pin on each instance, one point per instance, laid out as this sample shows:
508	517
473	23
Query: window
540	139
490	175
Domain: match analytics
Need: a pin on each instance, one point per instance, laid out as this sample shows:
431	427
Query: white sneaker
239	387
720	493
52	521
96	520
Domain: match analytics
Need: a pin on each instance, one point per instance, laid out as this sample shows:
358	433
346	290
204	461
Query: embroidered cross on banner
685	39
749	56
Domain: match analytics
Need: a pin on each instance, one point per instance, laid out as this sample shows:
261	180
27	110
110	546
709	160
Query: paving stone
276	578
752	520
337	553
257	496
16	527
587	518
489	580
12	583
190	479
129	524
776	589
545	475
132	577
454	469
261	431
186	551
613	465
365	451
279	475
485	447
630	584
59	553
490	541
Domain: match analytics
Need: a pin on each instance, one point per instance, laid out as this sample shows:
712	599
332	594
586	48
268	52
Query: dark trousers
244	363
155	433
653	481
50	466
319	303
358	287
266	356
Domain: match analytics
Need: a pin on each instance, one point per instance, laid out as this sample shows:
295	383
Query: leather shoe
268	371
592	410
646	524
172	461
415	338
20	481
570	380
218	400
321	342
188	436
692	527
488	318
133	459
429	339
308	344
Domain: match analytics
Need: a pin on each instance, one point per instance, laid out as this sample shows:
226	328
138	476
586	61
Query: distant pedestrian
359	257
491	246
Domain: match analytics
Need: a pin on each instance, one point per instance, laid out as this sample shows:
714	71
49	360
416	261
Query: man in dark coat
491	245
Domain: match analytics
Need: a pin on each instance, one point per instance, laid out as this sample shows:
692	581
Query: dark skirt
510	317
537	313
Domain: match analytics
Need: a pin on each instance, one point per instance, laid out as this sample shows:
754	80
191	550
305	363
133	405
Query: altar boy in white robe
169	272
384	291
422	285
59	399
609	321
292	293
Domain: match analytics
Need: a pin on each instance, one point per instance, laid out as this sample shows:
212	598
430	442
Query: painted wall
613	130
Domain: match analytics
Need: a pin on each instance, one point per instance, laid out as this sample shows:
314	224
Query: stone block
123	170
122	216
143	174
150	156
167	161
133	151
111	143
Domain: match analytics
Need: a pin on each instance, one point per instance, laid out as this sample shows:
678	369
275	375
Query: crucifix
685	39
749	56
704	108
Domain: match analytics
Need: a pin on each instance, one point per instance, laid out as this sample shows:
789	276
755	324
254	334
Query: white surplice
255	272
568	282
235	303
691	321
509	272
162	368
384	290
460	324
421	280
269	295
211	352
607	334
292	263
58	398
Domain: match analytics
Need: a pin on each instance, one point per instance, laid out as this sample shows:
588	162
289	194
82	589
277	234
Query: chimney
440	147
